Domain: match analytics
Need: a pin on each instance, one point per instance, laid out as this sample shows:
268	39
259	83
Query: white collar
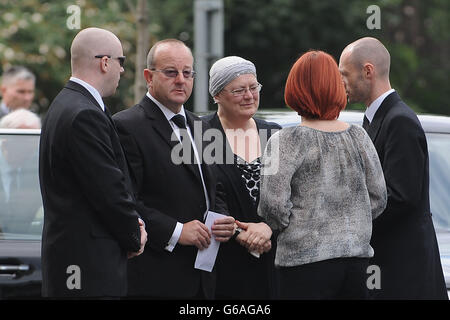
375	105
94	92
167	112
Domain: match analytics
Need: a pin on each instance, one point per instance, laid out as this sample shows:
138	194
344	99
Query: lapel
158	121
206	169
377	120
122	162
191	122
162	127
77	87
231	171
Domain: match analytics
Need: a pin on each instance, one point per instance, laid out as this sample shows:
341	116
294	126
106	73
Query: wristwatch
237	231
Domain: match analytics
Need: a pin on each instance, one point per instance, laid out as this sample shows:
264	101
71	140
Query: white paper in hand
207	257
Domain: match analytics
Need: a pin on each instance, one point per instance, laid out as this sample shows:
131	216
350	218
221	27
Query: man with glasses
179	195
91	223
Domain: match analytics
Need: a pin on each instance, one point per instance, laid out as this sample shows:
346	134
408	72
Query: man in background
17	89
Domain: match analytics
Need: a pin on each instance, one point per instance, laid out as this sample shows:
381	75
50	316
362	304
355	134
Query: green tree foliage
274	33
271	33
34	33
418	37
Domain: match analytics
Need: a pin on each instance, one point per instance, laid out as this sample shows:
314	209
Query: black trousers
341	278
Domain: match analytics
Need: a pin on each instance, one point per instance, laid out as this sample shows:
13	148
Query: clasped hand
143	240
255	237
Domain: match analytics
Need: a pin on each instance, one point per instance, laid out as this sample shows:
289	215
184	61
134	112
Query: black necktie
366	123
108	113
180	121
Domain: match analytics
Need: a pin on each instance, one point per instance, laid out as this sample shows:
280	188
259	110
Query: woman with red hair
321	186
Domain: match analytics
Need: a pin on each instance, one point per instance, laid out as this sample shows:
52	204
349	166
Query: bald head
101	72
151	57
364	66
91	42
369	50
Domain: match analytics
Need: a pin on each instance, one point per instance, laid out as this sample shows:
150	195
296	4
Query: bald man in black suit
403	236
91	224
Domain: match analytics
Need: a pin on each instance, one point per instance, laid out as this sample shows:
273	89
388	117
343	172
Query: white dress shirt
375	105
91	90
169	114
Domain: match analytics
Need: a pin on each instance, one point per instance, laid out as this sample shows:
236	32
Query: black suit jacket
90	219
172	193
254	276
403	237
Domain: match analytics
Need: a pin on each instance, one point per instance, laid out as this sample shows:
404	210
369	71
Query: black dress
239	274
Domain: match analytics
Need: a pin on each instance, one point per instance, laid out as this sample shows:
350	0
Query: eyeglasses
121	59
172	73
254	89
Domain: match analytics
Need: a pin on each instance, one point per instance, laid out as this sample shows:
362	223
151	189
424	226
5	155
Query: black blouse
256	277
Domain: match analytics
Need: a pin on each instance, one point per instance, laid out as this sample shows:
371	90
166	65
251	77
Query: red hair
314	87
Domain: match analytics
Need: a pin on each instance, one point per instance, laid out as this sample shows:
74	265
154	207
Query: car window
21	213
439	154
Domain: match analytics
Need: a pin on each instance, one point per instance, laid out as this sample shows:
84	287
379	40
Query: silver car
21	214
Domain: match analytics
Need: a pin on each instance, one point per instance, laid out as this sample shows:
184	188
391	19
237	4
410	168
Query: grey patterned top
321	190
